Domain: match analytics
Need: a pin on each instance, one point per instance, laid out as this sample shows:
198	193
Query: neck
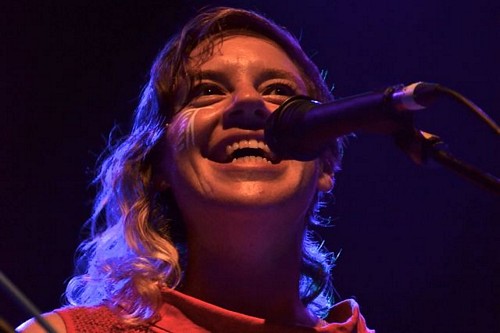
248	267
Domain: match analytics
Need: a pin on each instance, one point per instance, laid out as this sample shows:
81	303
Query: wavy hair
136	243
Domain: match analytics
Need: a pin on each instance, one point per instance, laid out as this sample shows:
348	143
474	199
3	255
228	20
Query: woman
198	226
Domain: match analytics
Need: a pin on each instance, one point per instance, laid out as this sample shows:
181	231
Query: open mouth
245	151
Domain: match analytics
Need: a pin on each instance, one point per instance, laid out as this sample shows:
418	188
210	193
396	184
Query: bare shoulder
32	326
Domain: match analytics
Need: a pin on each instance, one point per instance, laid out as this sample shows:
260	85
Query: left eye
279	89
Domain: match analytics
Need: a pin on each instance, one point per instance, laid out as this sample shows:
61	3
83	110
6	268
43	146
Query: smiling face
215	156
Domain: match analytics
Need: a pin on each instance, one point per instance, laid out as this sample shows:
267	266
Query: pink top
181	313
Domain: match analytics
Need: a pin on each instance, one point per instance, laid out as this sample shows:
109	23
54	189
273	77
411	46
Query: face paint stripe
185	130
190	130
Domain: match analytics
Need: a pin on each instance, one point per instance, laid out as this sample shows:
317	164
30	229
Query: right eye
206	89
204	94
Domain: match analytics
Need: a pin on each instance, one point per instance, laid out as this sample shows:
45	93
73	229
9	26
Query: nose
247	110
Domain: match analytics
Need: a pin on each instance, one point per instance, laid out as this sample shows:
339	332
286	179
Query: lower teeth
251	159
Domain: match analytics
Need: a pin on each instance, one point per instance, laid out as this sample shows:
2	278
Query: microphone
302	128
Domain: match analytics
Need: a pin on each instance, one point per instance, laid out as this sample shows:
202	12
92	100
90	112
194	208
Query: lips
231	150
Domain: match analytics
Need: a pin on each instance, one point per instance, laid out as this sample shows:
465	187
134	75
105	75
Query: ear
160	185
326	179
159	180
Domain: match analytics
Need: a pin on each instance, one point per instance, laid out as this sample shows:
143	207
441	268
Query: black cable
471	105
421	146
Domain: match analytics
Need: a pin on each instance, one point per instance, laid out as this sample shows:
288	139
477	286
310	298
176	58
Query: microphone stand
422	146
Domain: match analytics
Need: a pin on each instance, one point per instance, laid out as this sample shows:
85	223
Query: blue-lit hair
136	243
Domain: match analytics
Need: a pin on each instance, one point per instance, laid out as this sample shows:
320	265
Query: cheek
181	132
186	126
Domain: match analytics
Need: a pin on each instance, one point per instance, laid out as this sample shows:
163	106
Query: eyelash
287	89
276	88
206	89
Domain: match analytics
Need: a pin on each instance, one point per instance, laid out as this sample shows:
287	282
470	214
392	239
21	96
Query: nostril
245	118
262	113
235	113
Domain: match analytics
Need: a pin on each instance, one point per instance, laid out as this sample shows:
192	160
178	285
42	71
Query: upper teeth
230	149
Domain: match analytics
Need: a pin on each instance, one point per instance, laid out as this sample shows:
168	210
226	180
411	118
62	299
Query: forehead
234	52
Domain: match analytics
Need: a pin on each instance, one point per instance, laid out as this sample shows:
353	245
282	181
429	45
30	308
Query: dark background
419	246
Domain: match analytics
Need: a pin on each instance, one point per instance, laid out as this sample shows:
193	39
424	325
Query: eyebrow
218	76
272	73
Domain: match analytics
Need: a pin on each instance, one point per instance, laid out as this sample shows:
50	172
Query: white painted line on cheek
190	131
184	130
